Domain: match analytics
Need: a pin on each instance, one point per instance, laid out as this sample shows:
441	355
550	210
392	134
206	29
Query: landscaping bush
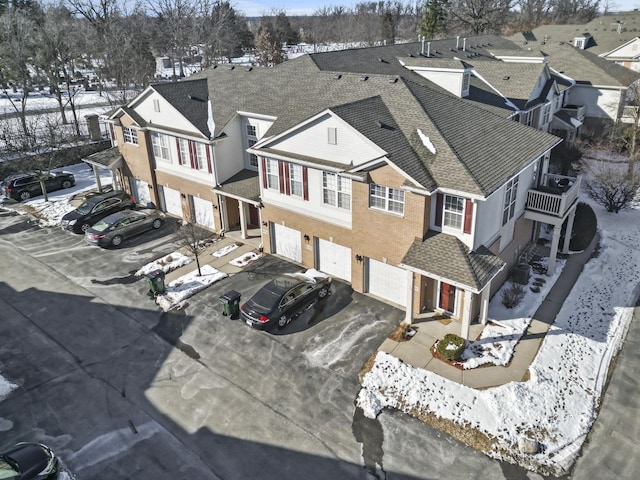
451	347
512	295
584	228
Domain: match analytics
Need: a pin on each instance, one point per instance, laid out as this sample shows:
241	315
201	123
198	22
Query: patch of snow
5	387
167	264
427	141
245	259
225	250
188	285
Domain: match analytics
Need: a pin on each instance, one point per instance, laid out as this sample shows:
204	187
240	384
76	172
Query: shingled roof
446	256
515	81
190	98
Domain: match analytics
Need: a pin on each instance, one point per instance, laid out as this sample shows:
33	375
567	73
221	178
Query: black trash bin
230	302
156	282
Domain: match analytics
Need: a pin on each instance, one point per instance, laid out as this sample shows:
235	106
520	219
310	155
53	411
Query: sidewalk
416	352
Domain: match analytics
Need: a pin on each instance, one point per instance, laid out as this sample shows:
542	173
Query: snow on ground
557	405
188	285
245	259
167	264
58	205
225	250
506	325
5	387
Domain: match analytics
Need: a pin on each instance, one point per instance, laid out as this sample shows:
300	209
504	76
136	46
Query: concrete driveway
120	389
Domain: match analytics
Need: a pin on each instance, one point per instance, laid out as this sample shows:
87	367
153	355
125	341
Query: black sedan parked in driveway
285	298
23	186
28	461
96	208
115	228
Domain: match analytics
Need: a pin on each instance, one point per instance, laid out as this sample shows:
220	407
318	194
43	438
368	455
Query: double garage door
387	282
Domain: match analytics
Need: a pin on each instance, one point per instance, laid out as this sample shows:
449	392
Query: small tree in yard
192	238
613	188
512	295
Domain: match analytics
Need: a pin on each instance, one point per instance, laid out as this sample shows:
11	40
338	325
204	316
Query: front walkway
431	327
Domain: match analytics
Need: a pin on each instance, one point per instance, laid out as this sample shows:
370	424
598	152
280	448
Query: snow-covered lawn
188	285
557	405
167	264
506	325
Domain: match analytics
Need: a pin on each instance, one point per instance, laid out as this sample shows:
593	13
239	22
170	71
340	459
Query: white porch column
484	304
242	206
466	314
554	249
567	234
114	179
96	174
408	316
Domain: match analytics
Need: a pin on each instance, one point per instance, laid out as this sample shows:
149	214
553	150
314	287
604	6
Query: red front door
447	297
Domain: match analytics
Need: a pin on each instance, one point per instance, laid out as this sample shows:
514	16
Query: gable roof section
447	257
489	147
190	98
515	81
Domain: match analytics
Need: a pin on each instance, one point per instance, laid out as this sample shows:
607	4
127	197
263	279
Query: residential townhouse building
355	165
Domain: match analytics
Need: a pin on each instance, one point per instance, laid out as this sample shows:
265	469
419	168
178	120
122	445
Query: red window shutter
179	153
305	183
192	155
265	184
439	208
208	149
468	215
287	176
281	175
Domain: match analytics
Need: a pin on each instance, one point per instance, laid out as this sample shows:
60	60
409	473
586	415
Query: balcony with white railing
554	196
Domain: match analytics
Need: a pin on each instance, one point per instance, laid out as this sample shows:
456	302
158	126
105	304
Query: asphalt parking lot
119	389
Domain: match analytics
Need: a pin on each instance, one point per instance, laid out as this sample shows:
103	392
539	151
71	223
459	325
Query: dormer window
251	131
466	77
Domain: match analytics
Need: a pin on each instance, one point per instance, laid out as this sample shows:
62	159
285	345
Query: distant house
418	173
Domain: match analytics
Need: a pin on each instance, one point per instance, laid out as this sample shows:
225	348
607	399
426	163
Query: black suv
23	186
96	208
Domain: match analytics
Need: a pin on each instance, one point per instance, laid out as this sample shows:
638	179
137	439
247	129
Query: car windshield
101	226
85	207
7	470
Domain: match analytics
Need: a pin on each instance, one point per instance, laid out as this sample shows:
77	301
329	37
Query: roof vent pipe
464	44
457	42
428	49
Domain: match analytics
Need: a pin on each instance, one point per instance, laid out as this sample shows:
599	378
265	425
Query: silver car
117	227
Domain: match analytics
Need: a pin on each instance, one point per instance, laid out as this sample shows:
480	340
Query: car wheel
117	240
283	321
323	292
24	195
66	184
84	227
157	223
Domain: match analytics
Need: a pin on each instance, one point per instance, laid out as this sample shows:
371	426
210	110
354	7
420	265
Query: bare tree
533	12
480	16
613	188
268	50
193	238
174	29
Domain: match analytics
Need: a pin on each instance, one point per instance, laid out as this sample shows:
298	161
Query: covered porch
112	160
239	201
446	277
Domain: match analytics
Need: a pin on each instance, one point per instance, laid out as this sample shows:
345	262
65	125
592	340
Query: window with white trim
130	135
453	212
253	158
465	81
251	130
184	152
510	195
546	113
336	190
160	145
201	156
272	174
386	198
295	180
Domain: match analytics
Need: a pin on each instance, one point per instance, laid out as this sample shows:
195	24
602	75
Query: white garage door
388	282
287	242
203	212
334	259
140	191
172	201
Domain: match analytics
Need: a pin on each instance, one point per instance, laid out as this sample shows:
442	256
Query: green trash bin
156	282
230	302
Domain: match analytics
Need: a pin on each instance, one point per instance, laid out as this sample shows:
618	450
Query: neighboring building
380	166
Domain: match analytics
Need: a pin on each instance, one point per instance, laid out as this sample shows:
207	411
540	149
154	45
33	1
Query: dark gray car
96	208
117	227
28	461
